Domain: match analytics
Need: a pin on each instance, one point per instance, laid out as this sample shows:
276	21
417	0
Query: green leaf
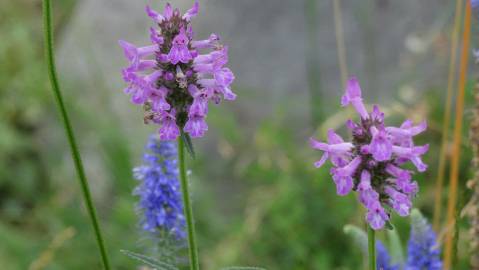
389	226
359	236
149	261
188	144
243	268
395	247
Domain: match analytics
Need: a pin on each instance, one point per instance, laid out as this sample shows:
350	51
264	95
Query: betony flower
173	78
371	164
159	189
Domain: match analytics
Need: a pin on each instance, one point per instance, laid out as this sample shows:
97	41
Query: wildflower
423	250
171	79
371	163
159	190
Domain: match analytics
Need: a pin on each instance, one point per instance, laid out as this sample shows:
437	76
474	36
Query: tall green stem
48	36
312	57
193	250
371	248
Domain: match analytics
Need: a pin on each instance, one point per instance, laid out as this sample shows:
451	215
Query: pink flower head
176	77
371	163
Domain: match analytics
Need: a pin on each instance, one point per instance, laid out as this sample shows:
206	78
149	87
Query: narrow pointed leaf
149	261
395	248
360	237
243	268
188	144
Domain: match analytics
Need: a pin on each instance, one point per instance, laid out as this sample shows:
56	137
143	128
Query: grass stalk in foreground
447	117
452	203
338	30
49	53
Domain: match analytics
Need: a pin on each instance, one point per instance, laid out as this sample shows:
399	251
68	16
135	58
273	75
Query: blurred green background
257	198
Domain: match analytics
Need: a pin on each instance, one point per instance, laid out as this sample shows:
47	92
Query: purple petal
227	93
192	12
344	184
333	137
353	96
380	146
196	126
154	15
320	162
224	77
376	216
377	115
168	11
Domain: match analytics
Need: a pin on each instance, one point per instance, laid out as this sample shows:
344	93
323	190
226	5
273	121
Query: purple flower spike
176	77
371	164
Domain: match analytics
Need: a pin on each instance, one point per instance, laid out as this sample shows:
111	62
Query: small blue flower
383	260
159	189
423	250
475	4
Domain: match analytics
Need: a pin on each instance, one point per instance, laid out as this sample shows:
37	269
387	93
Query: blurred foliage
258	199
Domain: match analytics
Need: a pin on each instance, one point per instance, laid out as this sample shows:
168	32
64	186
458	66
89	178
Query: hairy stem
371	248
48	36
190	226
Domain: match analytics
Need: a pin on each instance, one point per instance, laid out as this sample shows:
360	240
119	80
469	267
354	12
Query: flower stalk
49	53
190	227
371	248
447	116
457	141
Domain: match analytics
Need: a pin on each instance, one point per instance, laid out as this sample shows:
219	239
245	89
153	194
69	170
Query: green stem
371	248
193	250
313	67
48	36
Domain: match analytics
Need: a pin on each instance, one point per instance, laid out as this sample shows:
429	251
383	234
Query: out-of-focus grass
258	199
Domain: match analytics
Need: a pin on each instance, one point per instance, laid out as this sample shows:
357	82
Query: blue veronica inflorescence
423	249
159	189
